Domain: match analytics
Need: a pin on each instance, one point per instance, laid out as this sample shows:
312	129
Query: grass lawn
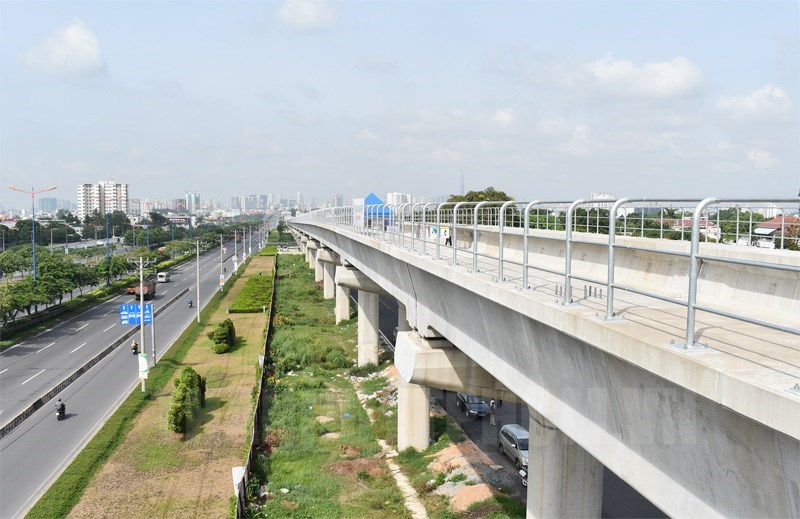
157	473
320	457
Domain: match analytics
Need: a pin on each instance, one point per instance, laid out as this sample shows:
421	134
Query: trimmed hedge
187	399
255	295
223	336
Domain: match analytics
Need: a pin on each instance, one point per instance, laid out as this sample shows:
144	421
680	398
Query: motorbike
523	472
61	412
190	303
135	348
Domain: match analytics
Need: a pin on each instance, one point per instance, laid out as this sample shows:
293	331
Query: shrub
223	336
187	399
255	295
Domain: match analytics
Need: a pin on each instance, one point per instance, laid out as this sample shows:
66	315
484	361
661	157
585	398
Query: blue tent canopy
370	207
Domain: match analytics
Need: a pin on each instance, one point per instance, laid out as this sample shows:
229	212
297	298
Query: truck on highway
149	288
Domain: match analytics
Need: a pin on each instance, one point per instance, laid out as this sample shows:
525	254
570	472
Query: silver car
512	440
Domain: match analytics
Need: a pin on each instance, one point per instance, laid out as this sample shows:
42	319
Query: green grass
68	488
255	295
325	477
372	385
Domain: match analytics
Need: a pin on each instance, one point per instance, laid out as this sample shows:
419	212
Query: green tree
489	194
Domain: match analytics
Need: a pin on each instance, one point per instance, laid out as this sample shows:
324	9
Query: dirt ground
157	473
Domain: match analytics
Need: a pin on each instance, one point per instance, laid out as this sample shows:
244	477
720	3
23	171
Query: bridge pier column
318	272
413	416
563	479
311	252
329	286
367	328
342	304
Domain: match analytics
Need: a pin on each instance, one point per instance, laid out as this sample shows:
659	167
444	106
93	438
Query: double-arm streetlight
33	193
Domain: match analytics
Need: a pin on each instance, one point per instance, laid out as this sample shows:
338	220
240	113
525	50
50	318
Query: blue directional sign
129	314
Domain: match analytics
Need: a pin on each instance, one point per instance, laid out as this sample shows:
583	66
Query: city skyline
697	98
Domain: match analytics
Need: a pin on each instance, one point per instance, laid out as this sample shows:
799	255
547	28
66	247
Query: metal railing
477	236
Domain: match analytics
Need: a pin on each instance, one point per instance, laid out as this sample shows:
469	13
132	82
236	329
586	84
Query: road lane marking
82	327
1	372
79	347
42	349
165	292
33	377
113	325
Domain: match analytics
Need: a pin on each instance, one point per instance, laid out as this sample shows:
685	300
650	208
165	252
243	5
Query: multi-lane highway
39	449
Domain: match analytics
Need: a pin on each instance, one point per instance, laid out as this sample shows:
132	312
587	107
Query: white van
163	277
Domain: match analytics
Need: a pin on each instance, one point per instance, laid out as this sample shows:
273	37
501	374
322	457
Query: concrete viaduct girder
661	420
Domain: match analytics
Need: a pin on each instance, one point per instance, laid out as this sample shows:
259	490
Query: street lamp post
33	193
108	255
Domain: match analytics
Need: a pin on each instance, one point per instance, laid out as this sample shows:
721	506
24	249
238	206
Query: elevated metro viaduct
708	426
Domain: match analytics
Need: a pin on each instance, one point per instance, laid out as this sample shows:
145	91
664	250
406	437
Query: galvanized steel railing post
525	244
568	262
453	233
612	237
694	271
501	223
475	235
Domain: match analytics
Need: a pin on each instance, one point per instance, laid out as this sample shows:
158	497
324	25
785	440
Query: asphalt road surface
34	454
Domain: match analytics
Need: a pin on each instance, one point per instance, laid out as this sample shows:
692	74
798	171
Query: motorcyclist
190	303
135	347
61	408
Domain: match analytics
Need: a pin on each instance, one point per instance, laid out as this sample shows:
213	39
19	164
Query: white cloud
554	127
367	136
307	14
580	142
447	155
664	79
767	103
135	153
761	159
504	117
69	52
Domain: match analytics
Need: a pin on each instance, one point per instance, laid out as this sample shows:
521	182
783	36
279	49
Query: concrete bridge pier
302	244
319	274
368	309
413	416
329	260
367	328
423	363
311	251
563	479
342	309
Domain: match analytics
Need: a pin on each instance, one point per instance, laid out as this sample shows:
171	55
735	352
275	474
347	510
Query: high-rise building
398	198
106	197
338	200
192	201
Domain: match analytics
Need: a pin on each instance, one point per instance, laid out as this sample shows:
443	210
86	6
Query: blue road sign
129	314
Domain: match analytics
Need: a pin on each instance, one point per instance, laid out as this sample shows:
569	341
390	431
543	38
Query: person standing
492	410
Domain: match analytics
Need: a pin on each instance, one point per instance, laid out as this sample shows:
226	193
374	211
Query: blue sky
542	99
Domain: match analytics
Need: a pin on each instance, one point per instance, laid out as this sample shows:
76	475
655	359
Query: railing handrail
566	212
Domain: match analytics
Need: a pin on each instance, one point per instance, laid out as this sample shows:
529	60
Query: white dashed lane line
42	349
33	377
82	327
113	325
79	347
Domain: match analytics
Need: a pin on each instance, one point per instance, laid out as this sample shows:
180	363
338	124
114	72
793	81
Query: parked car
512	440
472	405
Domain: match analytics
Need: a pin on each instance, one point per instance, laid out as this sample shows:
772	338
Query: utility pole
220	255
108	256
141	308
197	269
